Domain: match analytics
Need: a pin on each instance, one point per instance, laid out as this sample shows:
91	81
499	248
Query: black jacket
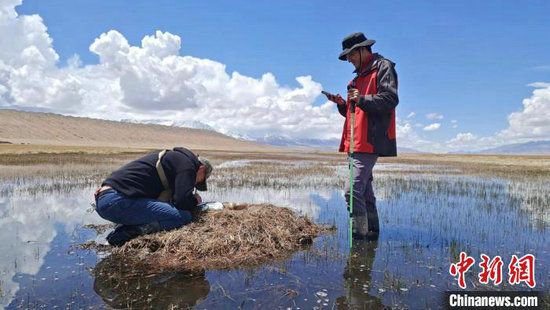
139	178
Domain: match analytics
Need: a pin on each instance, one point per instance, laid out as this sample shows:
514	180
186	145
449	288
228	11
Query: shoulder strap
160	171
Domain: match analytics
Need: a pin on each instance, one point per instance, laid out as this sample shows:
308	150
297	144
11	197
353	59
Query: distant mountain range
322	144
176	123
36	127
280	141
17	127
326	144
533	147
408	150
284	141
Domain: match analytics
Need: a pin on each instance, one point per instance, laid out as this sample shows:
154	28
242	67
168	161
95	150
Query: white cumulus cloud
432	127
434	116
155	82
533	122
152	82
408	137
463	137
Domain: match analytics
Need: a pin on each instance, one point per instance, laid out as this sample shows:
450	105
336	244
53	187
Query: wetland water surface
428	214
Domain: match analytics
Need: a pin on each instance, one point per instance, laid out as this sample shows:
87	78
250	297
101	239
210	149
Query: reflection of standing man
374	92
358	278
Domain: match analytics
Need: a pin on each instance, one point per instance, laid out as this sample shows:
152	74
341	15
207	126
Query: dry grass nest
238	235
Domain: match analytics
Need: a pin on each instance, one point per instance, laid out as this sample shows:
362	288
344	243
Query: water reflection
426	219
120	289
39	228
358	278
29	225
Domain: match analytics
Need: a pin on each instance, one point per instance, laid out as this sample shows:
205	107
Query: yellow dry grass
239	235
46	149
82	158
499	165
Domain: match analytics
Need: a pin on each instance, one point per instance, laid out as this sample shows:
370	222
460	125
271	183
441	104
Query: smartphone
326	93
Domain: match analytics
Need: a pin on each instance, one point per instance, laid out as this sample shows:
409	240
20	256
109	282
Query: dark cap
202	185
352	42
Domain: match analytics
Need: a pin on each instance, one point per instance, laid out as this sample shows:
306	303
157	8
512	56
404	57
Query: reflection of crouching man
153	193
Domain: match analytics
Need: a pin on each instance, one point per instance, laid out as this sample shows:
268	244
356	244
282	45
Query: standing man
153	193
373	96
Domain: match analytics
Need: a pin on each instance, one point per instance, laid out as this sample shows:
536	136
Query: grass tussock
239	235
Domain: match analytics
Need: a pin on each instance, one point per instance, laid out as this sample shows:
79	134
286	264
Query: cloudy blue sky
472	74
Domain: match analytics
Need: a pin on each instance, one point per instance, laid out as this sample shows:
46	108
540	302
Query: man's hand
334	98
199	199
353	95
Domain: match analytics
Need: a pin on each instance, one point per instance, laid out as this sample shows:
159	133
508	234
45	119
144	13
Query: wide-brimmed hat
352	42
202	185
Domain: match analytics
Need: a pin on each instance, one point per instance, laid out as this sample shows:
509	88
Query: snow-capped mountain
532	147
275	140
173	123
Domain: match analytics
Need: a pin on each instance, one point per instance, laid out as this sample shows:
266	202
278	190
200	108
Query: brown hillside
52	129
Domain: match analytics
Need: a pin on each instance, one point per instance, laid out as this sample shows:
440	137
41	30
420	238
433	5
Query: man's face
201	174
354	57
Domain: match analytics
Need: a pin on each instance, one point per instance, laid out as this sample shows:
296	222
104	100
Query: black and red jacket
375	116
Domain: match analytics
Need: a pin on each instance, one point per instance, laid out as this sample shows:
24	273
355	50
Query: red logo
522	270
461	267
519	270
491	270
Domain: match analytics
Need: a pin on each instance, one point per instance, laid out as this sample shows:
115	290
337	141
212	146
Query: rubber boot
124	233
372	223
366	227
360	227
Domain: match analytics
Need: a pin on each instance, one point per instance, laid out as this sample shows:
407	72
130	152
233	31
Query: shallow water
426	219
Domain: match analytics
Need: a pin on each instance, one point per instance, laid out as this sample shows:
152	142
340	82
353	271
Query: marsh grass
509	166
46	170
501	165
524	178
50	178
277	175
431	207
529	195
53	150
288	156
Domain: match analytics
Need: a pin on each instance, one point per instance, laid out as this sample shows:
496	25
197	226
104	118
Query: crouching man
153	193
